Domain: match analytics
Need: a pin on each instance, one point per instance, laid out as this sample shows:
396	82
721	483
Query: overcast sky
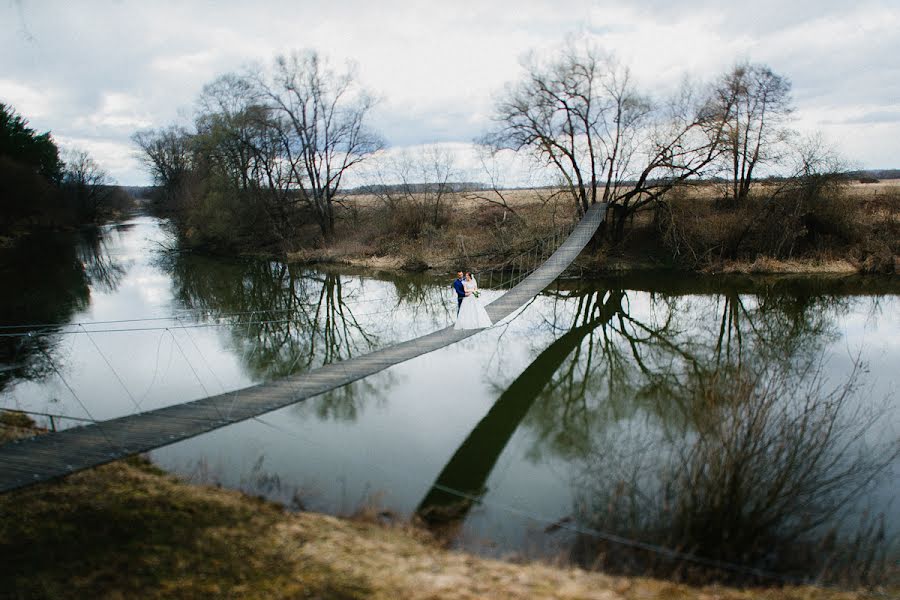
94	72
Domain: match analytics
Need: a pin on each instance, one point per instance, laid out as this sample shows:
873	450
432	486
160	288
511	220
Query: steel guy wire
202	357
155	368
190	366
82	324
44	414
182	326
176	317
416	341
244	357
115	373
77	399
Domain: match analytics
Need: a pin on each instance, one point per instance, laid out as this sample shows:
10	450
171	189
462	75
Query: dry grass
15	425
805	267
477	234
832	228
854	230
127	530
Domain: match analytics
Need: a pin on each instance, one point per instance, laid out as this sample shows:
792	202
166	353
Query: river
742	422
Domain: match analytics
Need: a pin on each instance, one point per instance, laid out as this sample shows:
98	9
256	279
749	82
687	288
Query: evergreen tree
22	144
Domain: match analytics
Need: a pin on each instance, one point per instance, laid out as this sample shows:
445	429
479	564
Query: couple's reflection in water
699	424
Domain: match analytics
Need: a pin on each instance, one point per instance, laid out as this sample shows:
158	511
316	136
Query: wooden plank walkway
53	455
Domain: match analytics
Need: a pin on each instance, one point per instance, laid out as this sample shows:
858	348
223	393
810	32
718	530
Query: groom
460	290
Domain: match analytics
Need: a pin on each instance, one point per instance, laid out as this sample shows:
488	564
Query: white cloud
19	94
95	71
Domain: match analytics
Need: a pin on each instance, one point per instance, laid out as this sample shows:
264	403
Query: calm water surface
750	422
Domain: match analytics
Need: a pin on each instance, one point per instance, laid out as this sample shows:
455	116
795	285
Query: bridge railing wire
510	274
53	328
503	275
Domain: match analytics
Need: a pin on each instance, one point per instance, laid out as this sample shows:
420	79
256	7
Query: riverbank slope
129	530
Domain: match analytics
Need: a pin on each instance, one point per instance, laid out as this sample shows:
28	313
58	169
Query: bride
471	313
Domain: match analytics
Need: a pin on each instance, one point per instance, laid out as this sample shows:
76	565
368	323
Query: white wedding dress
472	314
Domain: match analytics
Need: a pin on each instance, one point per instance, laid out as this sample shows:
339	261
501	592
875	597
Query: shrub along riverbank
129	530
853	228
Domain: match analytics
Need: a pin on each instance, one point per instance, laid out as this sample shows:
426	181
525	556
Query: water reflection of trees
102	269
702	424
47	278
284	319
650	358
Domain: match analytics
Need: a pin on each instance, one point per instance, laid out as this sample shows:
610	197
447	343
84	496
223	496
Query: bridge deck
52	455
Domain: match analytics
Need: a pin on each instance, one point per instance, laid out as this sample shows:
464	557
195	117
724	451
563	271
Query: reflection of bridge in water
462	481
54	455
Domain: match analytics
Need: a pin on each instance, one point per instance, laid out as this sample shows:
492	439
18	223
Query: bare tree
415	187
582	115
754	101
227	122
325	135
88	184
167	153
239	142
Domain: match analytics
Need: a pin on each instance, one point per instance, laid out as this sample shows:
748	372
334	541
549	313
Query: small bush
492	215
413	217
16	419
816	217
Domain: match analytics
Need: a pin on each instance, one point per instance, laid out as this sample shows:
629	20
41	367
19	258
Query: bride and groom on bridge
470	313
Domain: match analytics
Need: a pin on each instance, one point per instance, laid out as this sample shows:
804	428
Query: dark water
740	423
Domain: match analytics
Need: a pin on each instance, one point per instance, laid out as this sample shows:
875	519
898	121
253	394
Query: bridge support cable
44	457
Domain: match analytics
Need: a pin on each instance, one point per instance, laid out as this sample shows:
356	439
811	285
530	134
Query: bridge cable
137	405
59	374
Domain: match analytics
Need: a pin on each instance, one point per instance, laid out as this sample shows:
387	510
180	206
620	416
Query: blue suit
460	293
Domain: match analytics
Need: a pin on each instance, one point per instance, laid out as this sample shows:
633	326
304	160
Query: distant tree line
39	187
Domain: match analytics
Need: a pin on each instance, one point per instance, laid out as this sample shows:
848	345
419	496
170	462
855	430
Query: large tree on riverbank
270	151
38	189
167	154
581	114
754	103
322	119
22	144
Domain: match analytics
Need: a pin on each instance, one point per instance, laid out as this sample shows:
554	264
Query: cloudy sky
94	72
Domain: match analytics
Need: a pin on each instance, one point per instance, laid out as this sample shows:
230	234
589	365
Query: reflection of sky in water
385	439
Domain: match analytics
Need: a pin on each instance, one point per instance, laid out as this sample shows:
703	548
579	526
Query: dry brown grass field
853	228
472	233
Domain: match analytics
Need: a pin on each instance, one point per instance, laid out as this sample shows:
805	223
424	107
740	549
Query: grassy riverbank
854	229
128	530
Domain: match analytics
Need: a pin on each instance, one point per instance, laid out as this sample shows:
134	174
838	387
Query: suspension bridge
44	457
